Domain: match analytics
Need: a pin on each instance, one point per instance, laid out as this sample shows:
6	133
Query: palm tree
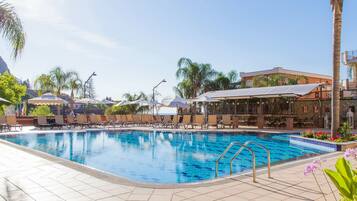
337	6
60	79
44	83
194	76
222	81
268	80
135	108
11	28
74	83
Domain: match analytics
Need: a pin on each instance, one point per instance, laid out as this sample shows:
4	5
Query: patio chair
198	120
175	121
120	120
59	121
111	119
186	121
3	124
71	121
129	119
226	121
42	122
212	121
82	120
167	121
11	122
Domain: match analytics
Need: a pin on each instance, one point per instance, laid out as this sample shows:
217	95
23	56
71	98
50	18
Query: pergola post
260	118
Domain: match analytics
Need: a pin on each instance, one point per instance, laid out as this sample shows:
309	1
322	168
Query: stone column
289	123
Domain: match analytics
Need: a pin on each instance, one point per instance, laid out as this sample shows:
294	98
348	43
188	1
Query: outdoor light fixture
153	95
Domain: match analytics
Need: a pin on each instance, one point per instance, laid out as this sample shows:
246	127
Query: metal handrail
261	146
242	147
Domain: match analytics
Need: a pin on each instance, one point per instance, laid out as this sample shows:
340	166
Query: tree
74	84
58	80
222	81
42	110
276	80
44	84
11	28
193	77
337	6
10	89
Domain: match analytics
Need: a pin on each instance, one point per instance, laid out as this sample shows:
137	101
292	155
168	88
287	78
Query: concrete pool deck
28	176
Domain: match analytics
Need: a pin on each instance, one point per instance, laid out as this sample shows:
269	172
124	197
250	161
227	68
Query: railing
228	148
259	145
244	146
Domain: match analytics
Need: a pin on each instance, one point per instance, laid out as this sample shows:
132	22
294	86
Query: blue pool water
160	157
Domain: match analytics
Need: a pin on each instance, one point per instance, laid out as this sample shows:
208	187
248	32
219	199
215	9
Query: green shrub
42	110
345	131
308	133
344	178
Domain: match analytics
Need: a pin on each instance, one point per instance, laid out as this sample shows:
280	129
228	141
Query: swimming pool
161	157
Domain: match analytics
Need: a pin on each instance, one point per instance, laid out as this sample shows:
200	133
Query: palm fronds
11	28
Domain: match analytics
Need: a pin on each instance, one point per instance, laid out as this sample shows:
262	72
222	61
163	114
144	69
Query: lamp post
153	95
86	82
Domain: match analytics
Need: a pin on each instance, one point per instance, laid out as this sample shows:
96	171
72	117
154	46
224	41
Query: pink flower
310	168
350	153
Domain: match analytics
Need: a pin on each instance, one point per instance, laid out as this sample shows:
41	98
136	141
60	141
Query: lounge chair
111	119
82	120
198	120
59	121
93	120
175	121
12	122
167	121
212	121
226	121
129	119
186	121
71	121
42	122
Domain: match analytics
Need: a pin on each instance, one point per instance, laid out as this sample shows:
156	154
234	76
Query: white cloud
51	12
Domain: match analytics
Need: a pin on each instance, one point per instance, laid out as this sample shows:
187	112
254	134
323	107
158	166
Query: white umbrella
108	102
177	102
3	100
47	99
87	101
147	103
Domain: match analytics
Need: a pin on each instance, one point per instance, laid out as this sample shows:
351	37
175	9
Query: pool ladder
244	146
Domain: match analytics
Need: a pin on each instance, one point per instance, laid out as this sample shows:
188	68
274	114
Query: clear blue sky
133	44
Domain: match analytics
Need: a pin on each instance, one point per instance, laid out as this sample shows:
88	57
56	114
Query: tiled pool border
321	144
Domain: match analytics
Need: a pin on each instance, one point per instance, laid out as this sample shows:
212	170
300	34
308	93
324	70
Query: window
304	109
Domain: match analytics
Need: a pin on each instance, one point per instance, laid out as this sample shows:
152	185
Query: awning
47	99
263	92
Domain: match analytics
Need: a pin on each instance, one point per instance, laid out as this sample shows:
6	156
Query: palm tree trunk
335	101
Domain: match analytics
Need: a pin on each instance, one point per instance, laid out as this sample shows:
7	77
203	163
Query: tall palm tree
44	83
337	6
194	76
60	79
11	28
222	81
74	83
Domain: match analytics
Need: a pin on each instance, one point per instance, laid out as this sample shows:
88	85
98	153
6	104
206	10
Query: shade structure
47	99
108	102
3	100
148	103
177	102
204	99
87	101
263	92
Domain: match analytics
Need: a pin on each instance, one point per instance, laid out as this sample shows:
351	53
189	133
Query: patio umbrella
48	99
88	101
3	100
176	102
